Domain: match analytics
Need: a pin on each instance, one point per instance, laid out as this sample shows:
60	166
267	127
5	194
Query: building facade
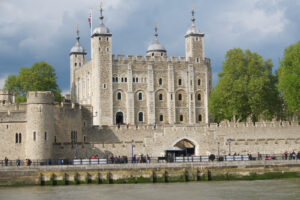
154	89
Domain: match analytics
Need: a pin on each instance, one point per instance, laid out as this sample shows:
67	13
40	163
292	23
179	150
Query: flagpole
91	13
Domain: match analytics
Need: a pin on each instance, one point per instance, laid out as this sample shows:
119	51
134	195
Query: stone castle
153	104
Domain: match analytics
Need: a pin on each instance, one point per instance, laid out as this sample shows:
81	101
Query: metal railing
144	159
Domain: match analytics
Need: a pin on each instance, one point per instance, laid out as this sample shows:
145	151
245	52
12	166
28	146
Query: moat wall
148	173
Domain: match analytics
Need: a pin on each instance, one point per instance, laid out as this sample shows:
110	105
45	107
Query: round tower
77	59
194	42
102	100
156	49
40	127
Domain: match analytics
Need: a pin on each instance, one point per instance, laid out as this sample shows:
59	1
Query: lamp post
229	141
132	150
218	151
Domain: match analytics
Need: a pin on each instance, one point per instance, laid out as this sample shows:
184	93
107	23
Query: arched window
113	79
20	138
125	80
45	135
119	96
160	81
199	97
181	118
141	117
200	118
161	118
179	97
17	138
137	79
199	82
179	81
160	97
117	79
122	80
140	96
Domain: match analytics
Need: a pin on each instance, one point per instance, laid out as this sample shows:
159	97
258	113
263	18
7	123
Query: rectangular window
34	136
17	138
45	135
179	82
20	138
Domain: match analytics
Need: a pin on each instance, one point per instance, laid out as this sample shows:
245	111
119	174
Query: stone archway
119	118
185	142
187	146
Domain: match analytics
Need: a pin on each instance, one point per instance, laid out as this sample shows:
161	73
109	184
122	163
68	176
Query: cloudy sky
44	30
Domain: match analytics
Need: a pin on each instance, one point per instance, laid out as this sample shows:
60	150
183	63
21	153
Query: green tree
246	88
40	77
289	78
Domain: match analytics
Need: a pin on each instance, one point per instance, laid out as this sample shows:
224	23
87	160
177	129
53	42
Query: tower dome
156	48
77	49
101	29
193	30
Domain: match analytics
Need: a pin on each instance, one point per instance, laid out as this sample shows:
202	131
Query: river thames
287	189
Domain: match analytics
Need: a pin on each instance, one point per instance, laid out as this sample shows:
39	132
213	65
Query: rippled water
287	189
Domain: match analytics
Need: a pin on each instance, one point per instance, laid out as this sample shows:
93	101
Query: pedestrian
18	162
6	161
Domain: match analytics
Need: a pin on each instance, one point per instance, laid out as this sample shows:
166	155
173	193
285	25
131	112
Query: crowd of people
112	159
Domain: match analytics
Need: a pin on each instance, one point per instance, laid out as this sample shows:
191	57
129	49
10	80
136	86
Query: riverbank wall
148	173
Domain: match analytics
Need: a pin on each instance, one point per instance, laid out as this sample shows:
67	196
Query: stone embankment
148	173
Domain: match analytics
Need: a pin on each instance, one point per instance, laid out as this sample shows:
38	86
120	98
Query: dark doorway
119	118
187	146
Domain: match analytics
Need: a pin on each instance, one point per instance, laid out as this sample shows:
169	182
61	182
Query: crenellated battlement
274	124
122	59
40	97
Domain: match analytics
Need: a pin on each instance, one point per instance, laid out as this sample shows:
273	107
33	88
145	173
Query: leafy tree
246	88
40	77
289	78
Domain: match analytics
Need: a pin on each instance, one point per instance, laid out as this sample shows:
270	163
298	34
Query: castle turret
7	97
77	59
156	49
194	42
102	100
40	129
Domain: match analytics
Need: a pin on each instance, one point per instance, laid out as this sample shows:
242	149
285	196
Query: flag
90	19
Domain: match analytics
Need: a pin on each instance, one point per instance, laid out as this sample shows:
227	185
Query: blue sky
35	30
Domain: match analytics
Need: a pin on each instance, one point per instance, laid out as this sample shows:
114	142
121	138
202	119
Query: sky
34	30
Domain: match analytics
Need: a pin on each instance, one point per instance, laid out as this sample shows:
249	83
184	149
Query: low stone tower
40	128
6	97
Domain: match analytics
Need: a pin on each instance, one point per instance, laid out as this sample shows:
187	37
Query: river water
286	189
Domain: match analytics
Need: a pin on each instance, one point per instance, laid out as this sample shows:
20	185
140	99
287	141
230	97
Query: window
113	79
136	79
122	80
107	49
197	60
17	138
20	138
160	81
99	38
199	82
84	138
171	96
133	80
160	97
161	54
191	97
140	96
119	96
161	118
141	117
73	136
34	136
45	136
199	97
75	64
117	79
179	97
99	49
54	139
181	118
200	118
107	38
125	80
152	54
104	86
179	82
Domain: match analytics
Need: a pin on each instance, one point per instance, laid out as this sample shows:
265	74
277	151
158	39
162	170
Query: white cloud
2	81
